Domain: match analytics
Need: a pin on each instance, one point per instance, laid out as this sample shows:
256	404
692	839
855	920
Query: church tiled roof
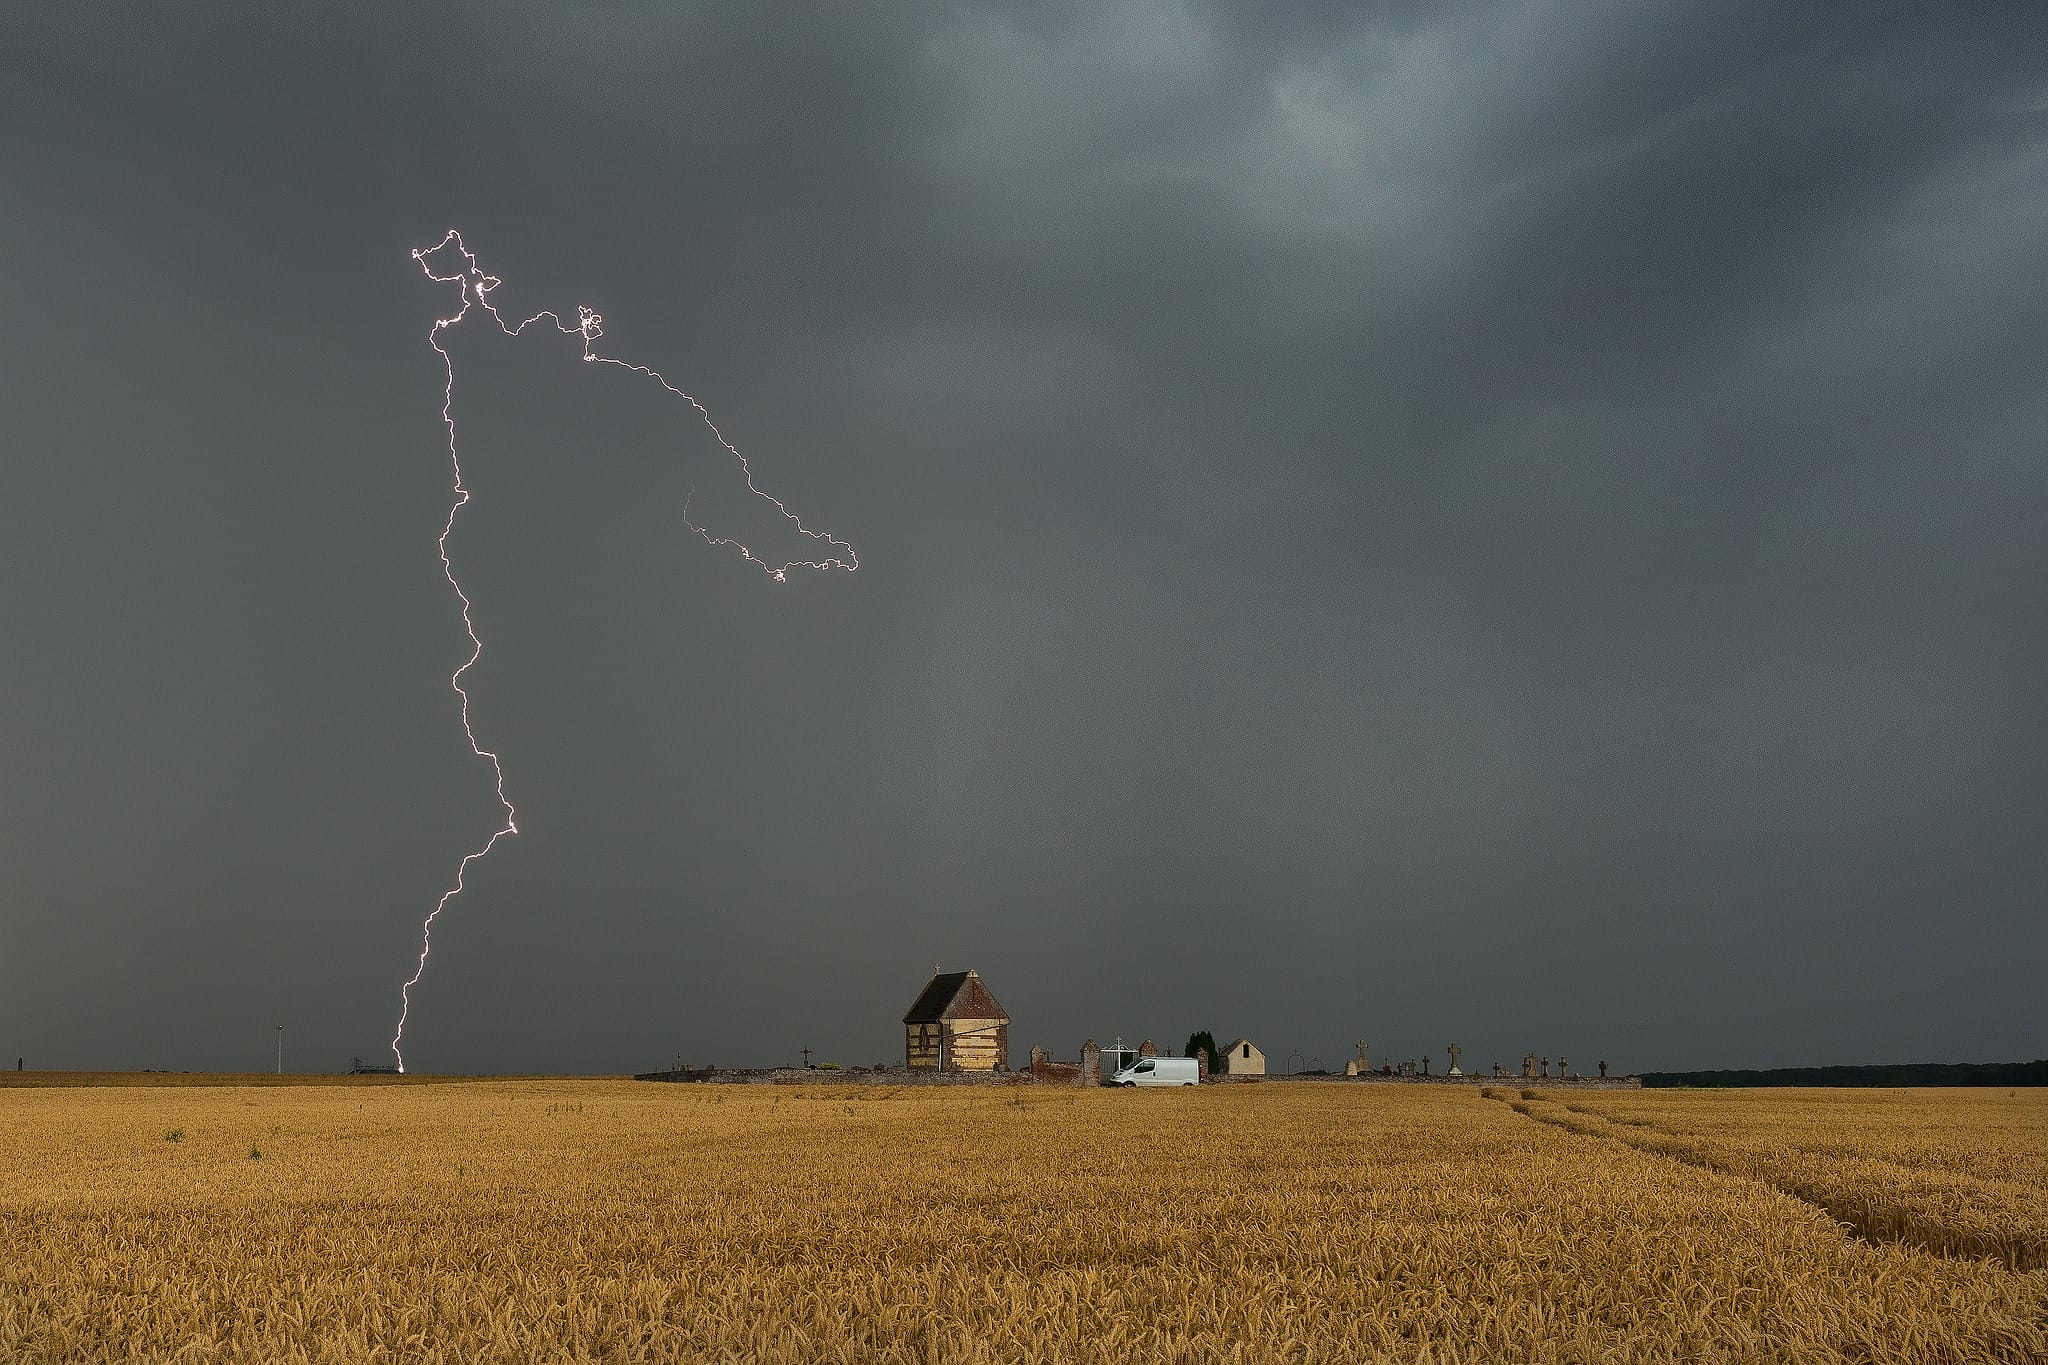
954	995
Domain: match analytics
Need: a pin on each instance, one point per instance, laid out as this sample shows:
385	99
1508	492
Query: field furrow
1934	1208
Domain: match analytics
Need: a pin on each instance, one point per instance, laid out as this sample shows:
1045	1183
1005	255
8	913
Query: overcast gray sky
1510	524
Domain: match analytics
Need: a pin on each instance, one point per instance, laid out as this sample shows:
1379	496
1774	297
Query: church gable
973	1001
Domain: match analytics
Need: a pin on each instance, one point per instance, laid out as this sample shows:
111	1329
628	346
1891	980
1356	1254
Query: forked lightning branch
452	256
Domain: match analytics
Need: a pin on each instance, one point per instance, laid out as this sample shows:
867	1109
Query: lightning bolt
476	287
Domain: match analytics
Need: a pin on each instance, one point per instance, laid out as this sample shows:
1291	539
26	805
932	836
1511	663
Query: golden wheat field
609	1220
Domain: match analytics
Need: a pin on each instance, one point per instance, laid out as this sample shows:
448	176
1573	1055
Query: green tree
1205	1043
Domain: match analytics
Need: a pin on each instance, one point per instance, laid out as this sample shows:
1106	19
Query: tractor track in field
1864	1219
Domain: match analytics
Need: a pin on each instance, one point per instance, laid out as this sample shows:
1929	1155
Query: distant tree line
1908	1074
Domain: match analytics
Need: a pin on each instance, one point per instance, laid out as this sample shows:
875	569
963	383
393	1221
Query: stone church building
956	1025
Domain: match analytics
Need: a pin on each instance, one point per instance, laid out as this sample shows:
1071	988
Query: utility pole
280	1049
806	1050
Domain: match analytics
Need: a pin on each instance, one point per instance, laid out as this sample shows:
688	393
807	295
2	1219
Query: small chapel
956	1025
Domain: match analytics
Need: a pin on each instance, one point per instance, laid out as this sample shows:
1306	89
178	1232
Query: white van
1159	1071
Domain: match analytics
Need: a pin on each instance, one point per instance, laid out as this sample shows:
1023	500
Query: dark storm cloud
1517	523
